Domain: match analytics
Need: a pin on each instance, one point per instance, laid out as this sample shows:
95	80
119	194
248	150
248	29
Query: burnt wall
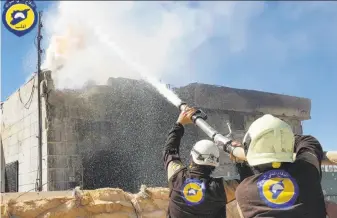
113	135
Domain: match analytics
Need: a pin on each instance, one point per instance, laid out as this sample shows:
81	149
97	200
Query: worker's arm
231	185
172	162
308	148
230	188
244	170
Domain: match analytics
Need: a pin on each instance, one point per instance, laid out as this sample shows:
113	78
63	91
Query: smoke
163	36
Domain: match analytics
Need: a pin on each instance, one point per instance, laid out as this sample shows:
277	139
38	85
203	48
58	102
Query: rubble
99	203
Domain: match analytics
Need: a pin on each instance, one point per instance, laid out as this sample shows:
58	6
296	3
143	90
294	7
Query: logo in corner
19	16
278	189
193	191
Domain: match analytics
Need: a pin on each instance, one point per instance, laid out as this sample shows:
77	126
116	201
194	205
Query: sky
281	47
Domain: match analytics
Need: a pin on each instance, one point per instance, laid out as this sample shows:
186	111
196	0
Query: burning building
113	135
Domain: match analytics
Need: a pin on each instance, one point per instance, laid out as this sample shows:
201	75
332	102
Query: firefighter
282	186
193	192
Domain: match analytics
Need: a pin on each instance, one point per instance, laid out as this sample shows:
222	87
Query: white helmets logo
205	152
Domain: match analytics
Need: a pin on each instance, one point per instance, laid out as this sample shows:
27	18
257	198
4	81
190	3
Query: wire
28	191
30	99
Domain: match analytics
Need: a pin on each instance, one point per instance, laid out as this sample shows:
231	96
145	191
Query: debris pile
99	203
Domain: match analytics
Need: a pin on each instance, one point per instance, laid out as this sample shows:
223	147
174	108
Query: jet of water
142	70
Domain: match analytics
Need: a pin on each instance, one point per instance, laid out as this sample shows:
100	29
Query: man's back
294	190
196	195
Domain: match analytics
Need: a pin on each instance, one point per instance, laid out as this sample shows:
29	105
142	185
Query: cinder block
20	135
25	145
26	122
34	164
54	135
70	136
26	133
27	188
75	161
56	122
15	128
57	161
56	174
56	148
58	186
24	167
21	179
71	148
13	150
73	112
10	141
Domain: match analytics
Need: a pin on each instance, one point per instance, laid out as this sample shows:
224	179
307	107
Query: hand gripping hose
199	119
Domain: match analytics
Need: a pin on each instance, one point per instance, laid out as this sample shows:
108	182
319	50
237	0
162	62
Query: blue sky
280	47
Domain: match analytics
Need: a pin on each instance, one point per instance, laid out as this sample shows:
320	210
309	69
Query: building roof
249	101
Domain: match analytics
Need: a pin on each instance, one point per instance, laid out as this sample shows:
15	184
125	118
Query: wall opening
11	177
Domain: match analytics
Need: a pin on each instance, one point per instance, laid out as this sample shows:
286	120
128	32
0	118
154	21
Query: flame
62	46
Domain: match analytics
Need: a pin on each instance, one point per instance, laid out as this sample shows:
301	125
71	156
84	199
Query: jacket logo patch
193	191
277	189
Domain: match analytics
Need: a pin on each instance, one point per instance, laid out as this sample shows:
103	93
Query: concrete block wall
329	181
103	136
64	161
120	129
19	132
294	122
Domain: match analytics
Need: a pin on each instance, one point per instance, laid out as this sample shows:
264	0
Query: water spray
199	118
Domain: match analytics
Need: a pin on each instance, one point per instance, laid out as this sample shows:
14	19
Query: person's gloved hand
231	156
185	116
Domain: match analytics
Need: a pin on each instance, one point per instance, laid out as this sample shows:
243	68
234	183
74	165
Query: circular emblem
278	189
19	17
193	191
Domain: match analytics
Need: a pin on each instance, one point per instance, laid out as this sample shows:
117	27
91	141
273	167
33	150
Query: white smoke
159	35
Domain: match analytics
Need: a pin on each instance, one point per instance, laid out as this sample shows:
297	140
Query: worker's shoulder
250	179
305	138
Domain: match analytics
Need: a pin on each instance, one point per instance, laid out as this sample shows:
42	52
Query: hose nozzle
182	106
198	113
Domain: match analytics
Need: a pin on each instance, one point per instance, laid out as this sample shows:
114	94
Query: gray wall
19	131
329	182
119	130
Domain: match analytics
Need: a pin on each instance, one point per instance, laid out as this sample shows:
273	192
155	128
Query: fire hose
199	119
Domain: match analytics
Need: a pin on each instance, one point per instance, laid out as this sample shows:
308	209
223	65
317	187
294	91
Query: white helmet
269	139
205	152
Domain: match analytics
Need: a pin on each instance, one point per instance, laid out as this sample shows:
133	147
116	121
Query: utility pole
39	79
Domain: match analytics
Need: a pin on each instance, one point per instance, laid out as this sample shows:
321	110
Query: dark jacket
291	191
193	193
